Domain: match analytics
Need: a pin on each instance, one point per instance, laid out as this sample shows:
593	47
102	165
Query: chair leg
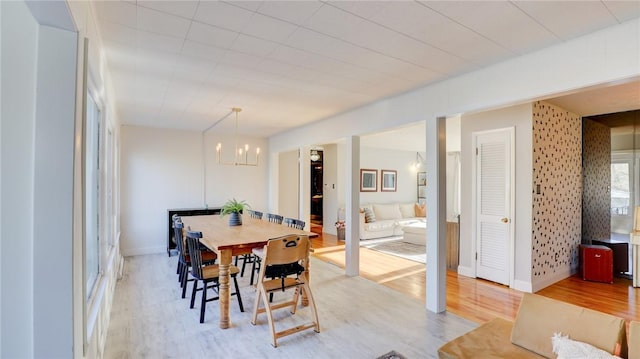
185	275
267	308
312	305
296	298
245	258
193	292
256	304
254	267
204	301
235	282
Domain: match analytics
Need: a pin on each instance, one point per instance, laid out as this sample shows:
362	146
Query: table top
218	235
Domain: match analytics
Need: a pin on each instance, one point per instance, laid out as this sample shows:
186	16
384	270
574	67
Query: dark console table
182	212
620	253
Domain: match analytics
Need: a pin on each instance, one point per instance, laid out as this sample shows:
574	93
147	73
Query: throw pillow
369	216
567	348
421	210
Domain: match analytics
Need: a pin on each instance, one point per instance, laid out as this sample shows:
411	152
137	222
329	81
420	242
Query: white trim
512	207
522	286
467	271
556	277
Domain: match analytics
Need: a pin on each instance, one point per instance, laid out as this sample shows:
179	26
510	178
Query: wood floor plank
358	319
479	300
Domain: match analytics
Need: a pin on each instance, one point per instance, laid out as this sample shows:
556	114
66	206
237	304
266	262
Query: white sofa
390	219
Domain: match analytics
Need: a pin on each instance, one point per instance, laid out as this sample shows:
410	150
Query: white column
352	206
436	215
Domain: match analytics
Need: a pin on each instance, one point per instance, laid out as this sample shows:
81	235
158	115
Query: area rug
392	355
398	247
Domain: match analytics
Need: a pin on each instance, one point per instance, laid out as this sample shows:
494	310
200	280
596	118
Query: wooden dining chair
207	274
248	258
283	257
275	218
294	223
254	214
184	259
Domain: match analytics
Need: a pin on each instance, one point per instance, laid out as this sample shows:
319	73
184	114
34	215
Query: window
620	189
92	190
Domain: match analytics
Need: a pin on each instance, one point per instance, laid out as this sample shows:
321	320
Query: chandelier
241	154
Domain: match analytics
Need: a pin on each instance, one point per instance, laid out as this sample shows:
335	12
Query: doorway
618	190
316	192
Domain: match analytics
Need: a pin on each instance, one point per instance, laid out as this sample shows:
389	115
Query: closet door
494	182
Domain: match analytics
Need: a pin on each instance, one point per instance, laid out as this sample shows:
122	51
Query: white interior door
494	194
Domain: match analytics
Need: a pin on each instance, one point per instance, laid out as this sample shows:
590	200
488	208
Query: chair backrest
255	214
294	223
177	234
636	220
275	218
286	249
193	242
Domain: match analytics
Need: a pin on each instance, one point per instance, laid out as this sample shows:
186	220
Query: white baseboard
128	252
551	279
466	271
522	286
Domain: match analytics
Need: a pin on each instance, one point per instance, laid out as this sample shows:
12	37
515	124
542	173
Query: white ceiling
184	64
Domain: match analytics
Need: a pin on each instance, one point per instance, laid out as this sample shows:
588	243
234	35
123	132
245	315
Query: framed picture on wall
388	182
368	180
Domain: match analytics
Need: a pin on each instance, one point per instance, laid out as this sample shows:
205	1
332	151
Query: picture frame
368	180
388	180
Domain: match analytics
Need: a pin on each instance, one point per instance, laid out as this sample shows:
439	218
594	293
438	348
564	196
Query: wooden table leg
225	298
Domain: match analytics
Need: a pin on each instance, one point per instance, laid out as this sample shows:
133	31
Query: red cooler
597	263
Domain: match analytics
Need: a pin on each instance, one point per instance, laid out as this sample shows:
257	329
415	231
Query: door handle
505	220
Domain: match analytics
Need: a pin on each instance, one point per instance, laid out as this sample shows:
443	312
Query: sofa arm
490	340
361	224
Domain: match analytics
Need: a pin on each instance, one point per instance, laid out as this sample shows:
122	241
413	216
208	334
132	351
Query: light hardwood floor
358	319
480	300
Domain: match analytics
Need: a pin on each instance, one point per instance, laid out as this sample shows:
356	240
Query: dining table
228	241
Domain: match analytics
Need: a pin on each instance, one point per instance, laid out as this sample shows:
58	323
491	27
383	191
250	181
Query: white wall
19	59
38	126
400	161
160	169
453	134
163	169
288	184
519	117
53	193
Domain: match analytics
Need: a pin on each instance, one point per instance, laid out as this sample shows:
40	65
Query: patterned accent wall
596	198
557	169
